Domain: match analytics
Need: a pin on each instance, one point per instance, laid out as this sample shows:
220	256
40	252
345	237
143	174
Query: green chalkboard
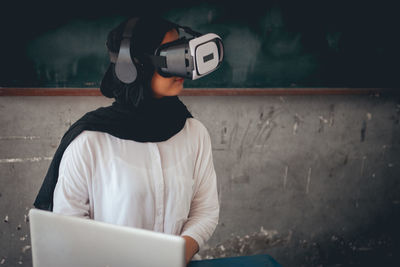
278	44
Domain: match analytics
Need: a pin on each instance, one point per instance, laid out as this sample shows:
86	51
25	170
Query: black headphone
126	69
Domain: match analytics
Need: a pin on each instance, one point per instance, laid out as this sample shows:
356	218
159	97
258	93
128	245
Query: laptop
60	240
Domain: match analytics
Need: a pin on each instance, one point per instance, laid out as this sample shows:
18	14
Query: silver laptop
59	240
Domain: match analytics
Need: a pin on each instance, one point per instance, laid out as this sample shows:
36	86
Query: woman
144	161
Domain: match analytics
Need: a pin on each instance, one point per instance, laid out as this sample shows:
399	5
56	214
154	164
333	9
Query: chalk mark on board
25	248
267	136
297	121
224	131
223	134
362	165
263	124
308	181
233	134
267	126
363	130
243	139
331	115
322	122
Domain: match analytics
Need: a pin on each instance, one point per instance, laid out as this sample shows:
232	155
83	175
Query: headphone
125	68
191	58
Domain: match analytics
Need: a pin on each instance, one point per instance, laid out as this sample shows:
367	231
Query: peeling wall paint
294	165
244	245
21	160
308	181
19	137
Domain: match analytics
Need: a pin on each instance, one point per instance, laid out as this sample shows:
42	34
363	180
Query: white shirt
167	186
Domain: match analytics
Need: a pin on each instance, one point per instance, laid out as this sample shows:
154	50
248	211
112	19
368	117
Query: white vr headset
191	58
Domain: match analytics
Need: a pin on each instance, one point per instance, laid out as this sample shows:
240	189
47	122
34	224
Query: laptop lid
60	240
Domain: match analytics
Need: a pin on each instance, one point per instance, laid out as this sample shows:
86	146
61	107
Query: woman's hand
191	248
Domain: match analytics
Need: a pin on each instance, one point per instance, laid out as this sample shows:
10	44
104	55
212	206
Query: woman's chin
171	91
177	90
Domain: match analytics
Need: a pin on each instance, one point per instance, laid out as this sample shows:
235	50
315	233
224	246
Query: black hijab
135	114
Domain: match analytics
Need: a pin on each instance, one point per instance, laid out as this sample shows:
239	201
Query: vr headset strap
158	61
188	30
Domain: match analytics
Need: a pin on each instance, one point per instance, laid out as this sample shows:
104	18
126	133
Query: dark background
268	43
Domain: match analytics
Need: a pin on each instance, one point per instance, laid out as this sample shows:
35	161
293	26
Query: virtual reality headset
190	58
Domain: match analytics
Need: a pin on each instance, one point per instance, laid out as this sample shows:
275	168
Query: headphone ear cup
125	70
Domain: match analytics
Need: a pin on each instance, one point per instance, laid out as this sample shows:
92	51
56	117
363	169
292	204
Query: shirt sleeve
71	191
204	210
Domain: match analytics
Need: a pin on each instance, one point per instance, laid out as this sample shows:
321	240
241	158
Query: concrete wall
310	180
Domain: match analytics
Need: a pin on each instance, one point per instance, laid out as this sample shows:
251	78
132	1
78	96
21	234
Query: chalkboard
274	44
